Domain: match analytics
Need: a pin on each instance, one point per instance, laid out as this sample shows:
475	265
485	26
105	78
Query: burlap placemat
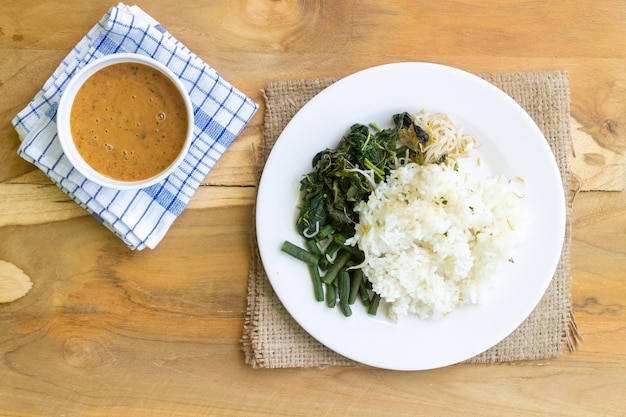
272	339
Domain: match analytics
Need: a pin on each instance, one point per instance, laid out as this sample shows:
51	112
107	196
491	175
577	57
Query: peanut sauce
129	121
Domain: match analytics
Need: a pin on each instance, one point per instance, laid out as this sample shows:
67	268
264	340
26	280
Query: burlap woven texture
272	339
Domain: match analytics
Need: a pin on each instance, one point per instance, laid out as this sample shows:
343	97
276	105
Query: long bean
355	285
299	253
324	232
364	294
373	307
337	285
344	292
339	263
311	244
331	295
329	253
318	289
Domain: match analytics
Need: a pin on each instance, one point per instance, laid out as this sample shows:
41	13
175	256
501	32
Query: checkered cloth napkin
141	218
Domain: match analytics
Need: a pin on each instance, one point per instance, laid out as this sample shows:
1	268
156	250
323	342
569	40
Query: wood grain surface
107	331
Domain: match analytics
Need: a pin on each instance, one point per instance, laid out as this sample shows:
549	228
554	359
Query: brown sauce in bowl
129	121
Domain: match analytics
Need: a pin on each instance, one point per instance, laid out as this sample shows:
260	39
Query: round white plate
510	144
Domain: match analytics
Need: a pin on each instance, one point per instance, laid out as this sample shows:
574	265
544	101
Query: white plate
511	145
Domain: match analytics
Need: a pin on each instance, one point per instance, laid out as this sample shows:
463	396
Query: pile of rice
433	237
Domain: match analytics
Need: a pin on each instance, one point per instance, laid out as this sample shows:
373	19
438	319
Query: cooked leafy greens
341	177
347	174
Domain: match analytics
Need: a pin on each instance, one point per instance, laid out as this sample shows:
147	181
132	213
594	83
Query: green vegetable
299	253
364	293
318	288
373	307
355	285
331	295
344	293
340	179
343	176
335	268
311	244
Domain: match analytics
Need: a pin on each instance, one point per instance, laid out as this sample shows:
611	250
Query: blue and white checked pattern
141	218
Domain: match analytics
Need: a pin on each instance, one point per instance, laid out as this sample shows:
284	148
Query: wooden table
107	331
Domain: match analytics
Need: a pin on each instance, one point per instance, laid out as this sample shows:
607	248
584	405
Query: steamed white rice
433	237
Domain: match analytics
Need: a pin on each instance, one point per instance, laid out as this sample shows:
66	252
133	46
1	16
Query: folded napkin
141	218
273	339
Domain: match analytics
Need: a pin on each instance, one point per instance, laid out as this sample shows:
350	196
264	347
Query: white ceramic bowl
65	108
